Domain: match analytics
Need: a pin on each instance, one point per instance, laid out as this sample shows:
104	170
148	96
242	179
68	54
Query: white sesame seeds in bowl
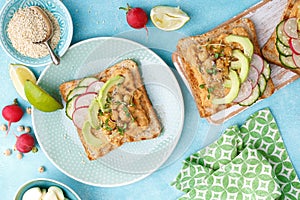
19	25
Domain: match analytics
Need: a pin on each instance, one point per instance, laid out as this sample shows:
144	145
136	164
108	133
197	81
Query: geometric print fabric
246	163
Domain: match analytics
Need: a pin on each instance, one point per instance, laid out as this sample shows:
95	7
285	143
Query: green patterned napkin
246	163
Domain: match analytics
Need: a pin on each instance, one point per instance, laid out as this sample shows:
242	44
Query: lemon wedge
39	98
168	18
19	74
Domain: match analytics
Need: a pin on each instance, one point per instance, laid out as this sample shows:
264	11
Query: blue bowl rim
19	190
61	53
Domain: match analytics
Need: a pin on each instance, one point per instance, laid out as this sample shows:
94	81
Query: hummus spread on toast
111	108
223	67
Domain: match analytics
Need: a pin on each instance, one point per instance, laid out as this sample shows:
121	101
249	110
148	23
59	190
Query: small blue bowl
46	183
57	8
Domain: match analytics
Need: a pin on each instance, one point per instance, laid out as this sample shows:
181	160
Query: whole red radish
12	113
136	17
25	143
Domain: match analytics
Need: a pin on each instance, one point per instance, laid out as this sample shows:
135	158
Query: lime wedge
39	98
168	18
19	74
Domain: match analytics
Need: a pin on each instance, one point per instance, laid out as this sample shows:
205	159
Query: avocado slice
243	64
245	42
93	114
102	96
234	90
89	137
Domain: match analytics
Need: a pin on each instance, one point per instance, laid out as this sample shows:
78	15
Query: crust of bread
269	50
152	130
194	77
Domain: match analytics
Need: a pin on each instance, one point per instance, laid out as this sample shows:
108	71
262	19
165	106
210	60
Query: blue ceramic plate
60	12
46	183
133	161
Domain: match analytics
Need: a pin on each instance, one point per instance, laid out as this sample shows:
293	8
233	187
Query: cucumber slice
234	90
287	61
70	106
252	98
87	81
282	49
76	91
267	70
281	35
262	83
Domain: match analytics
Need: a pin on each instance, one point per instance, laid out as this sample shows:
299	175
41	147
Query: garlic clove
50	195
59	193
44	191
32	194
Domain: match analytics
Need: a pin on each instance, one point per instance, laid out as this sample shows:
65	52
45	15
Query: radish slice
245	91
95	86
295	45
85	99
253	76
296	59
79	116
257	62
290	27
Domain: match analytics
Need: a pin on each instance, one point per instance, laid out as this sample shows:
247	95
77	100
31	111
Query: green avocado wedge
234	90
245	42
243	64
102	96
89	137
93	114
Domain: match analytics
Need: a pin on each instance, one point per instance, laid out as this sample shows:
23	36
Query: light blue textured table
94	18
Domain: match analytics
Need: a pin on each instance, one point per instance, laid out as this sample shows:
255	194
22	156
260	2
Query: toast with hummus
224	67
110	108
283	47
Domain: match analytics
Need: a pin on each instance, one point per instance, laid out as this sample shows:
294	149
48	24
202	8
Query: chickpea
27	129
114	115
3	127
20	128
19	156
123	116
127	98
7	152
227	51
41	169
117	98
28	110
137	94
111	124
203	55
141	118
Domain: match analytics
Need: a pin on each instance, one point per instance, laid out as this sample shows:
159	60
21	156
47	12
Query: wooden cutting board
265	15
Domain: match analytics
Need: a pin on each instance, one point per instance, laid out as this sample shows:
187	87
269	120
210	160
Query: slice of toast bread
141	120
269	50
187	54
